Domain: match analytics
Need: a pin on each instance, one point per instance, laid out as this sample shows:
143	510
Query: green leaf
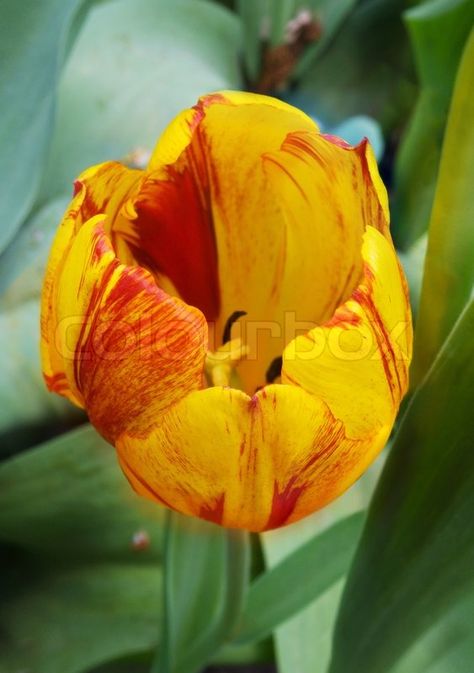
331	15
303	642
414	562
307	572
68	497
449	271
156	58
24	399
206	576
67	619
23	262
33	44
413	261
365	69
437	60
254	16
447	647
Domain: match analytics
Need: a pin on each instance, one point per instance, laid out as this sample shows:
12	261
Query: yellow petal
358	361
179	132
248	462
124	345
99	189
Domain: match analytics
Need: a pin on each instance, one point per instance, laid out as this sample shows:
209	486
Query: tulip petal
178	133
125	344
99	189
248	462
358	361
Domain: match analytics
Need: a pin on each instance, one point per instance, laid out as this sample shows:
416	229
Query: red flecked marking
57	383
289	175
77	187
253	402
283	503
300	143
200	108
142	482
175	229
383	341
335	140
344	317
214	512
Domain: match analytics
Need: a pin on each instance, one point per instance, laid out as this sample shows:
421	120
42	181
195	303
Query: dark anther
228	326
274	370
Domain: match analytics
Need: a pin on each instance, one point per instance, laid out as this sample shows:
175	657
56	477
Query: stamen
274	370
221	364
228	326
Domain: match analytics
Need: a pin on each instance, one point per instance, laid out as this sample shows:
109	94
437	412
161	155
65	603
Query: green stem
173	656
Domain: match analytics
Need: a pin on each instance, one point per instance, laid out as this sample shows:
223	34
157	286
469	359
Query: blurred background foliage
377	582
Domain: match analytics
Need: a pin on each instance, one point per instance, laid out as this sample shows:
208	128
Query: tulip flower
233	318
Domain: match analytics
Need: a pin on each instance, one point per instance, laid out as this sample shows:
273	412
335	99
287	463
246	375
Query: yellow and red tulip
234	318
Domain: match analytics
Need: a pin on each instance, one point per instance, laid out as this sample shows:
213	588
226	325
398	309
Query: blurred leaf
206	575
24	399
331	16
309	570
413	261
438	30
58	619
365	69
415	559
254	17
447	647
280	14
156	58
33	44
303	642
69	497
449	272
23	263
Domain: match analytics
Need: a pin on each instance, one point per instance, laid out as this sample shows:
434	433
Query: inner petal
262	215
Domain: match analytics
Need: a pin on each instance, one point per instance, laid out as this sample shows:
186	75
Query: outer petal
255	463
358	361
99	189
127	348
178	134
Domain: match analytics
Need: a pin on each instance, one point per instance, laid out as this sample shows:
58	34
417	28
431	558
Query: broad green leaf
68	619
205	579
23	263
303	642
254	17
447	647
449	271
34	37
438	30
24	399
413	261
365	69
156	57
68	497
414	563
307	572
331	15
